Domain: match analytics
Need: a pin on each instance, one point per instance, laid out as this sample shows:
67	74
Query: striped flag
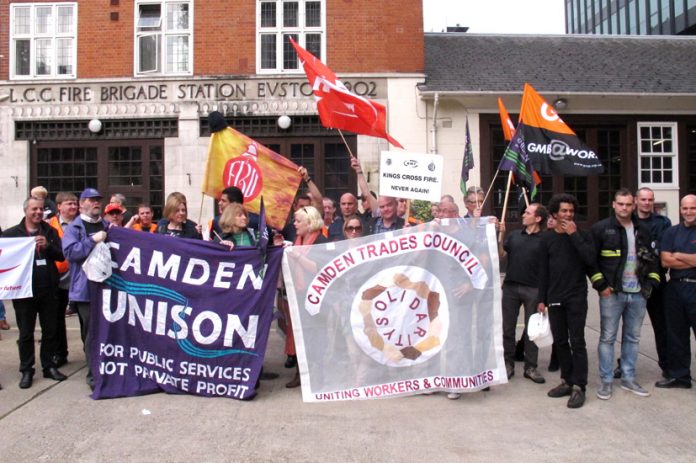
468	161
516	159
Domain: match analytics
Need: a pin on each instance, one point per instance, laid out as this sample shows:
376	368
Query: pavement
54	421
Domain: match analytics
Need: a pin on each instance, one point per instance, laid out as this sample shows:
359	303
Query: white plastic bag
97	266
539	330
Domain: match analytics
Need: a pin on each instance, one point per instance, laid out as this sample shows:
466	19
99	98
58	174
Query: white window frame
33	36
163	35
279	30
673	154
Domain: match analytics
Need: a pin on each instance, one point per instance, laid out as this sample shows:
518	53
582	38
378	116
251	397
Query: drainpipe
436	103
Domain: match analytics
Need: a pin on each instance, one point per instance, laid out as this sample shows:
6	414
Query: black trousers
61	333
83	311
656	311
680	314
44	305
567	321
515	295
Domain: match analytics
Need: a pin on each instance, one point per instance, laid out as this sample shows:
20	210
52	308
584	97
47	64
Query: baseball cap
90	193
114	207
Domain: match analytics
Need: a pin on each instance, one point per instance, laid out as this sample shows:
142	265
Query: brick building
115	94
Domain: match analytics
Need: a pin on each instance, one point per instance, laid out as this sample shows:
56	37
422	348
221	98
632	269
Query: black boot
27	380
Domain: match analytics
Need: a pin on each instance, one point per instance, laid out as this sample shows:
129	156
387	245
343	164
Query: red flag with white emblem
338	107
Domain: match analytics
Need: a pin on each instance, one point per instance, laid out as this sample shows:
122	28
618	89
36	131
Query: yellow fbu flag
236	160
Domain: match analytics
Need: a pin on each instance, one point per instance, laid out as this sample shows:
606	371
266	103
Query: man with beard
80	238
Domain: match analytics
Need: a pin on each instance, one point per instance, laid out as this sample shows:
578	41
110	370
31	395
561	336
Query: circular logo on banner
244	173
400	316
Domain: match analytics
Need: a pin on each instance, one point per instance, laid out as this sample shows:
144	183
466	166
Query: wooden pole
489	188
346	143
524	192
505	203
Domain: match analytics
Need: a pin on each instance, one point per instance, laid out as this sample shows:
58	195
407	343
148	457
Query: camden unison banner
181	316
400	313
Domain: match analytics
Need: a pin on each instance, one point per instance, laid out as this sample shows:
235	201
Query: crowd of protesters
626	257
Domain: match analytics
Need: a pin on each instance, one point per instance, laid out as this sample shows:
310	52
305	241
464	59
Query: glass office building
635	17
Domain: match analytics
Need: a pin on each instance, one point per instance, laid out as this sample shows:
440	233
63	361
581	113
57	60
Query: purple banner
181	316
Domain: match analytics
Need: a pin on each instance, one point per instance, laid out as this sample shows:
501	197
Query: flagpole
505	203
345	143
200	211
490	187
524	192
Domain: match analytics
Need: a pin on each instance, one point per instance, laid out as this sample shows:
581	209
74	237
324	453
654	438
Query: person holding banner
43	302
176	221
308	225
566	258
233	223
81	236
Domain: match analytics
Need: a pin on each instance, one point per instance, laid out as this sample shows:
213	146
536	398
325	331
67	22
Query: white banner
16	267
410	175
399	313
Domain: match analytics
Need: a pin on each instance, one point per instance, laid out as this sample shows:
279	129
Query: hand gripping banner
399	313
181	316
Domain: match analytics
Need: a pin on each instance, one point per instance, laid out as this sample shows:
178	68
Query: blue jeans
630	306
2	310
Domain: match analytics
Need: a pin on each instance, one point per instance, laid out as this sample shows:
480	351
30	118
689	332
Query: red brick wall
363	36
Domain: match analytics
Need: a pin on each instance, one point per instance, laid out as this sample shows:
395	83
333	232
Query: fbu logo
244	173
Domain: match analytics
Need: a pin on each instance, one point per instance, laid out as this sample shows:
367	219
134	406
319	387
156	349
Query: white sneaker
453	395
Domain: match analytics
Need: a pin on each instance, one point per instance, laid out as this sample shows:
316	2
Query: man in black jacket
565	258
44	301
627	273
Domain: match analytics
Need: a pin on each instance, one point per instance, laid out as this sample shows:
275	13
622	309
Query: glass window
43	40
277	21
658	151
163	36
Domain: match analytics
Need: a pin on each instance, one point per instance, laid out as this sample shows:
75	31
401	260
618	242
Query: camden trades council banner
398	313
181	316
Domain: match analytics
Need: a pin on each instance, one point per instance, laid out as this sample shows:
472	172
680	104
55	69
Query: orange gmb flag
552	146
508	126
236	160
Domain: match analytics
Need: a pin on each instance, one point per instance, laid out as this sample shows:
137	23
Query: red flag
508	126
338	107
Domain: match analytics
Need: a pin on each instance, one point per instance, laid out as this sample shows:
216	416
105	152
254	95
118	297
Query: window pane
148	48
22	23
289	53
44	20
645	146
268	51
268	14
178	16
43	57
313	44
290	14
64	24
177	54
313	14
150	17
22	57
64	52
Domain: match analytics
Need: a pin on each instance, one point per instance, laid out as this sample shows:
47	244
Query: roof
482	63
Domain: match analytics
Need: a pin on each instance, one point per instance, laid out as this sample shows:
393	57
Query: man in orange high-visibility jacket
67	211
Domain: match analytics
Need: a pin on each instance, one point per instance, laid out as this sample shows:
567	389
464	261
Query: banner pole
200	211
505	203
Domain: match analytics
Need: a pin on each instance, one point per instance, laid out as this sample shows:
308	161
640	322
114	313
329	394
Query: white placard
410	175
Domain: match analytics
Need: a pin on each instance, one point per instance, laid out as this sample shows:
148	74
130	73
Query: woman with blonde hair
308	224
176	221
233	222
